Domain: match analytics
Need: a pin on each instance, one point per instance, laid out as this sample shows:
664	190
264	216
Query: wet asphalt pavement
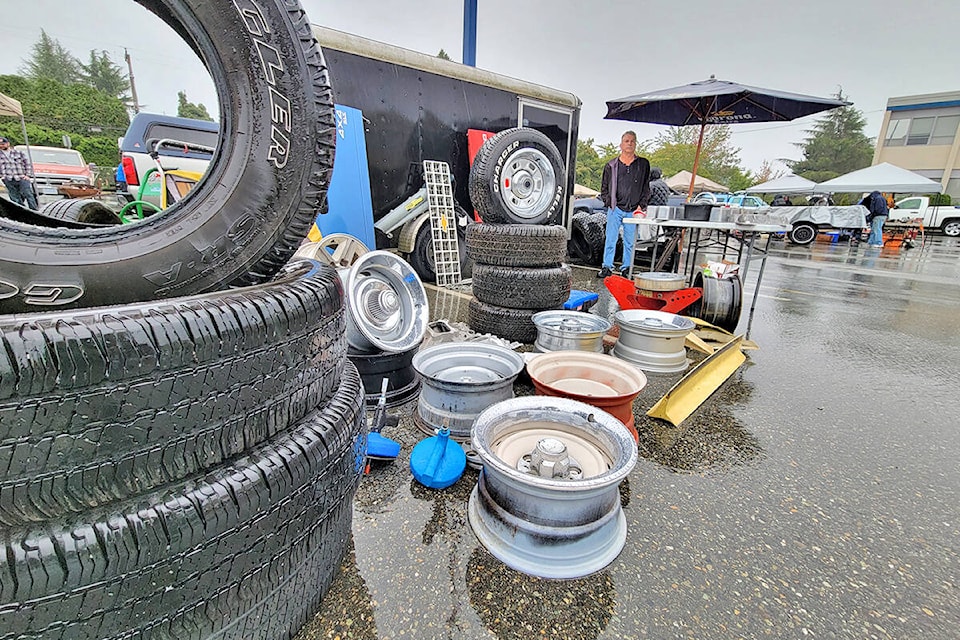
816	494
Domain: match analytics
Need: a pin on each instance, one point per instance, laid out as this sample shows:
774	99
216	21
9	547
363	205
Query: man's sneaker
625	271
603	273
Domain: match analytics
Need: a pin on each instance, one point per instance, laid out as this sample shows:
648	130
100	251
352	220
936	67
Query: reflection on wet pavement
815	494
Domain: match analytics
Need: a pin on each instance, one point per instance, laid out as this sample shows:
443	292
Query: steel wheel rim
545	521
527	183
387	304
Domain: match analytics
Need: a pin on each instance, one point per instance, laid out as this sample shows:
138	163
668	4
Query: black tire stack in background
588	231
518	257
181	434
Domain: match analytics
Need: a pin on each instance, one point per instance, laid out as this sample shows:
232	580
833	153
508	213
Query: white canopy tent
581	191
881	177
784	184
12	107
681	182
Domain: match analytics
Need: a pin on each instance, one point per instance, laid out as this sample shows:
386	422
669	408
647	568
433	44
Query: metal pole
696	161
26	142
133	85
470	33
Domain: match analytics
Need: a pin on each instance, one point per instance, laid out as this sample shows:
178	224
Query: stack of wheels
181	433
517	186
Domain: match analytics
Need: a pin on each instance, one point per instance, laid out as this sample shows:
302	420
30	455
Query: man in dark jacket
624	190
877	205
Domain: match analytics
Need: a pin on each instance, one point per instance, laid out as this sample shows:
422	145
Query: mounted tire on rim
518	176
242	222
803	233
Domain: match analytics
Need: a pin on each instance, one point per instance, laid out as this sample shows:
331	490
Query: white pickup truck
946	218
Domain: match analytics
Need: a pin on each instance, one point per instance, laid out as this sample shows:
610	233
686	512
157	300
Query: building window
944	130
897	132
928	130
920	130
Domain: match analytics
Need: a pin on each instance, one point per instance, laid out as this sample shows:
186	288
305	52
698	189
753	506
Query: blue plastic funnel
381	448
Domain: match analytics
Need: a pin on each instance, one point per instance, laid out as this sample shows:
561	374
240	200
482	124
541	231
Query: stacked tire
181	433
516	185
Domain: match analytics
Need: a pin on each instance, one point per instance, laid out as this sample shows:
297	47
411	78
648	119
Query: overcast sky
598	50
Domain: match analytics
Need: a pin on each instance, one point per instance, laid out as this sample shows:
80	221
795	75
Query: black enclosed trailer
419	107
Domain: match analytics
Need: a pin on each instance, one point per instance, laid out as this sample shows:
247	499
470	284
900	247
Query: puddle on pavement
515	606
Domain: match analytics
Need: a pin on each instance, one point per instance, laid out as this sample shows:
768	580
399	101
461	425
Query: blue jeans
20	192
876	230
614	222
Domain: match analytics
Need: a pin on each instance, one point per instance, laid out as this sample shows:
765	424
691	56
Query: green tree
50	60
105	76
187	109
590	160
51	110
674	150
835	144
766	173
443	55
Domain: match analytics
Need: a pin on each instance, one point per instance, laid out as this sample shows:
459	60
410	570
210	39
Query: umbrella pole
696	160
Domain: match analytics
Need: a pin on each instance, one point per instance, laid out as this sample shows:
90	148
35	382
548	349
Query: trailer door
556	122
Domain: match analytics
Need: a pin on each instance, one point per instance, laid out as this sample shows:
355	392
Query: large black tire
245	552
260	195
113	402
509	324
587	237
517	245
81	210
522	288
518	177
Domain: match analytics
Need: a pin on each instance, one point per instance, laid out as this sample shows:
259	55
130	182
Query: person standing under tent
15	169
877	205
659	190
624	191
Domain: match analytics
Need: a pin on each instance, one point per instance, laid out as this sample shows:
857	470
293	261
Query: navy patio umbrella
715	101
